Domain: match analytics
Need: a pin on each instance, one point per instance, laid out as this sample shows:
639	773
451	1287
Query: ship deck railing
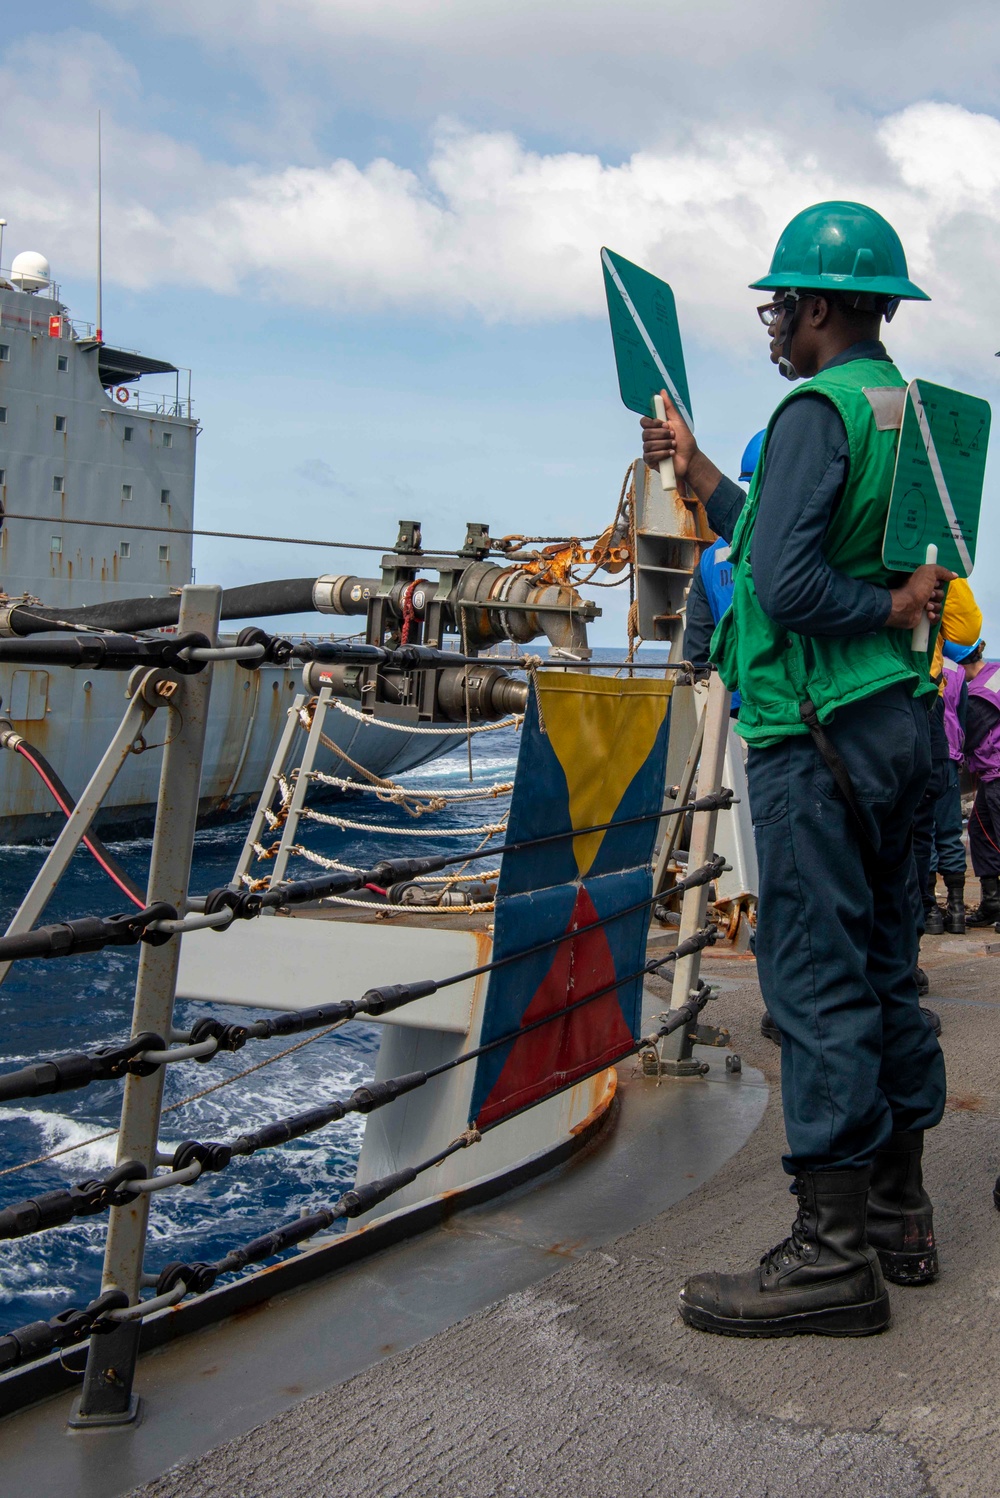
180	686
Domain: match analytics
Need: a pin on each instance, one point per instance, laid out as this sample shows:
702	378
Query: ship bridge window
164	496
60	423
3	415
3	477
124	548
55	545
4	353
164	553
127	436
126	491
168	439
58	484
62	363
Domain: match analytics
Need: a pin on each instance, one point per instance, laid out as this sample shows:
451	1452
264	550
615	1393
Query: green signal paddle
937	486
647	342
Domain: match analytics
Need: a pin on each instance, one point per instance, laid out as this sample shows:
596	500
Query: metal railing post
107	1397
676	1058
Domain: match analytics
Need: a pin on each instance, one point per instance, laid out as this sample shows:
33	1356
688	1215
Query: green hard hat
841	247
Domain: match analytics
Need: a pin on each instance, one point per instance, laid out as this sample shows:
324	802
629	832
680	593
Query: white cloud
488	228
622	73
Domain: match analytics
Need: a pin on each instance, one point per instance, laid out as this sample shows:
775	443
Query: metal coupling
343	594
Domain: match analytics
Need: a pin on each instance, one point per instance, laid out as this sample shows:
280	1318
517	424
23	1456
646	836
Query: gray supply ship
97	488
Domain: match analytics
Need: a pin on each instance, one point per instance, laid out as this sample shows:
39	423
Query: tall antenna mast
100	334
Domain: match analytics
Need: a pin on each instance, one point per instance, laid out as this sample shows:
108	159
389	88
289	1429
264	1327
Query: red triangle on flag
555	1055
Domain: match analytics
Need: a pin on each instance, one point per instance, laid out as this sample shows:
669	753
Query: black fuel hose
290	595
36	759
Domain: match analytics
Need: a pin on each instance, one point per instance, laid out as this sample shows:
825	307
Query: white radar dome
30	271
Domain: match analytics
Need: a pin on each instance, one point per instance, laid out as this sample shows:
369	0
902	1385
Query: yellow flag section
593	750
602	732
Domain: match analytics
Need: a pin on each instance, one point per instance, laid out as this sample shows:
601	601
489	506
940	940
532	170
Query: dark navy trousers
837	943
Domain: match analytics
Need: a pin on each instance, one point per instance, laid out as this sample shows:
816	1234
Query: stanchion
107	1397
676	1059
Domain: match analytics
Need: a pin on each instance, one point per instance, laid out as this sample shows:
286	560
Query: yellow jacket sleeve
961	620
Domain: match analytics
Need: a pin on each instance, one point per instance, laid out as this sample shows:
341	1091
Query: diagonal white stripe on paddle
939	480
641	326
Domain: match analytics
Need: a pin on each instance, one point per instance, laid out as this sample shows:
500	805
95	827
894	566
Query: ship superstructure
107	469
97	474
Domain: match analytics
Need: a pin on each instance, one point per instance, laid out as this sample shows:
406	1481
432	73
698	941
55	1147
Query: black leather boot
900	1214
823	1279
988	910
934	920
769	1029
954	916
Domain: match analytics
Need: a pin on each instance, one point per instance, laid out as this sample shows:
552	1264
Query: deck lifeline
587	1385
216	1385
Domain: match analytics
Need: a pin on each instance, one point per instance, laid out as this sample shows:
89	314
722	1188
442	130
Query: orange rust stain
964	1102
565	1250
293	1388
207	1372
603	1104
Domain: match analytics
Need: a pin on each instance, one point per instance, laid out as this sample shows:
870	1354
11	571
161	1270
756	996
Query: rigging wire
67	806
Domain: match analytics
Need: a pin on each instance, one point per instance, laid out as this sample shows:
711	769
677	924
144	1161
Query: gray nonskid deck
215	1386
587	1384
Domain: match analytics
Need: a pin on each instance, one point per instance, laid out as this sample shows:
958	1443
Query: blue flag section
600	757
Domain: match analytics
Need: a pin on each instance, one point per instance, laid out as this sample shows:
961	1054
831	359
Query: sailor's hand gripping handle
667	476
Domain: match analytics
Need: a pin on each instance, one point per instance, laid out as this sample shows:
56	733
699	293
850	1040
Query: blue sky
372	230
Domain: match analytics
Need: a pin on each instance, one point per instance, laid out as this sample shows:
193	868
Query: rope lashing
391	792
457	731
347	825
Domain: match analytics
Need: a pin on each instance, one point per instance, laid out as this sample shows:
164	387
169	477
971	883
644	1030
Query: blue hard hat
751	456
958	653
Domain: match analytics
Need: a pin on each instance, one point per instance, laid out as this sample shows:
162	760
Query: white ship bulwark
97	482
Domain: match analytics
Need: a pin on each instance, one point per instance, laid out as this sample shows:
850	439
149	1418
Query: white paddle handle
920	638
667	476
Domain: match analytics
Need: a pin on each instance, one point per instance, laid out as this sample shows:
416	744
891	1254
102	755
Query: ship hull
71	718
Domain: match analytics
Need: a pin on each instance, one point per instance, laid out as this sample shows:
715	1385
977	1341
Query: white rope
390	910
348	826
458	731
332	863
397	791
323	862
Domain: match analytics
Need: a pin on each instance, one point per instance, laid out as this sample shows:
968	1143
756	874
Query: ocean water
63	1005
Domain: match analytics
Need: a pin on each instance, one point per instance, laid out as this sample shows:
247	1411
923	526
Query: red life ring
122	395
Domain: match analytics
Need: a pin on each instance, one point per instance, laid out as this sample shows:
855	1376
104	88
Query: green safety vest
777	670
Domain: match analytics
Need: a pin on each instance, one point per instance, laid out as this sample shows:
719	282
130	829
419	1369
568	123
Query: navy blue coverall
836	932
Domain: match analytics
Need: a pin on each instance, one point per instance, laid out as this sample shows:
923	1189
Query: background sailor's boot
933	914
823	1279
900	1214
768	1028
988	910
954	916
